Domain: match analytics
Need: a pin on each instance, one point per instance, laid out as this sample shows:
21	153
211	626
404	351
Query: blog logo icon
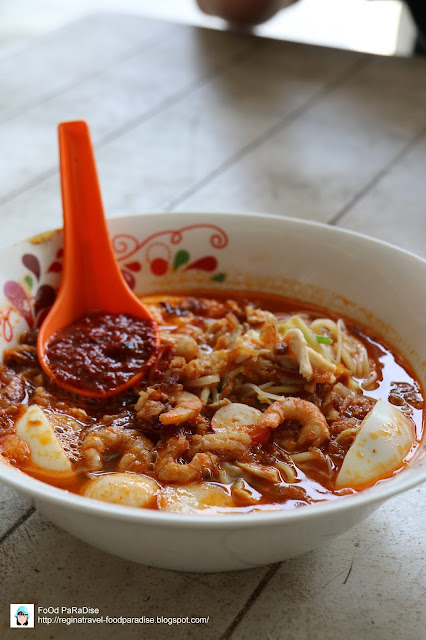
21	616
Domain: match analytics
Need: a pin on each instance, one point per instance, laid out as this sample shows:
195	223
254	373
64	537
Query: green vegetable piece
324	339
181	258
219	277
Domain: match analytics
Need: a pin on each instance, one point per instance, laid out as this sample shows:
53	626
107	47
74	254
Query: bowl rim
247	214
405	479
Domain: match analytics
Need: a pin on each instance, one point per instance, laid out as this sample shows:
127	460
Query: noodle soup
253	403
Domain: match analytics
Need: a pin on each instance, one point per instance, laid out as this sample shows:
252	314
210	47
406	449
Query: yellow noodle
347	433
204	381
300	458
286	471
371	382
324	323
205	394
340	329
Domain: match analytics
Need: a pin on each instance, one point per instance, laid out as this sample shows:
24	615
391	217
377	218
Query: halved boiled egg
36	430
128	489
194	497
384	439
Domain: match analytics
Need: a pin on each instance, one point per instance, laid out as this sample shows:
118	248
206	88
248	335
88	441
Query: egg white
383	441
36	430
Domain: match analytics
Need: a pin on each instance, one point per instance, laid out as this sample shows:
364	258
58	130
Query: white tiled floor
378	26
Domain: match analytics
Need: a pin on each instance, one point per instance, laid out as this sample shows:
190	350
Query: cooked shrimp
314	425
230	446
149	403
15	450
168	469
269	333
187	406
131	443
185	346
138	458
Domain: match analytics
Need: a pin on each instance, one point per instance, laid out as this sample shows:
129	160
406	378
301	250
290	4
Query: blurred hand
244	11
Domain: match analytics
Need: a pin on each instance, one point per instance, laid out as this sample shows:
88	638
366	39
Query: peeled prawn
168	469
131	443
314	425
15	450
185	346
187	407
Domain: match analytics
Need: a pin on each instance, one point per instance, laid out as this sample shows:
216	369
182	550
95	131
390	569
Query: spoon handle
91	272
92	282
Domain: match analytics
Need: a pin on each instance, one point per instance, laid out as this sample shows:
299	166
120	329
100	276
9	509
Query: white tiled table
189	119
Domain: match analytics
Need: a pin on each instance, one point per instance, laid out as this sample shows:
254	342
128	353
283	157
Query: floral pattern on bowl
160	254
164	252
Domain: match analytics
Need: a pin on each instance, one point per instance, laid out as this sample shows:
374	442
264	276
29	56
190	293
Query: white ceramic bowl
372	282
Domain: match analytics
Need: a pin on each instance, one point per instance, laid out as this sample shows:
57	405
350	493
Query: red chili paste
100	351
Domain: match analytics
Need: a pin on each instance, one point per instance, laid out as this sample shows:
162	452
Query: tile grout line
251	600
28	186
149	44
271	131
234	59
17	524
409	145
135	122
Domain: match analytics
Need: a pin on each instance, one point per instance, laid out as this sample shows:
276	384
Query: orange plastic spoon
91	279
